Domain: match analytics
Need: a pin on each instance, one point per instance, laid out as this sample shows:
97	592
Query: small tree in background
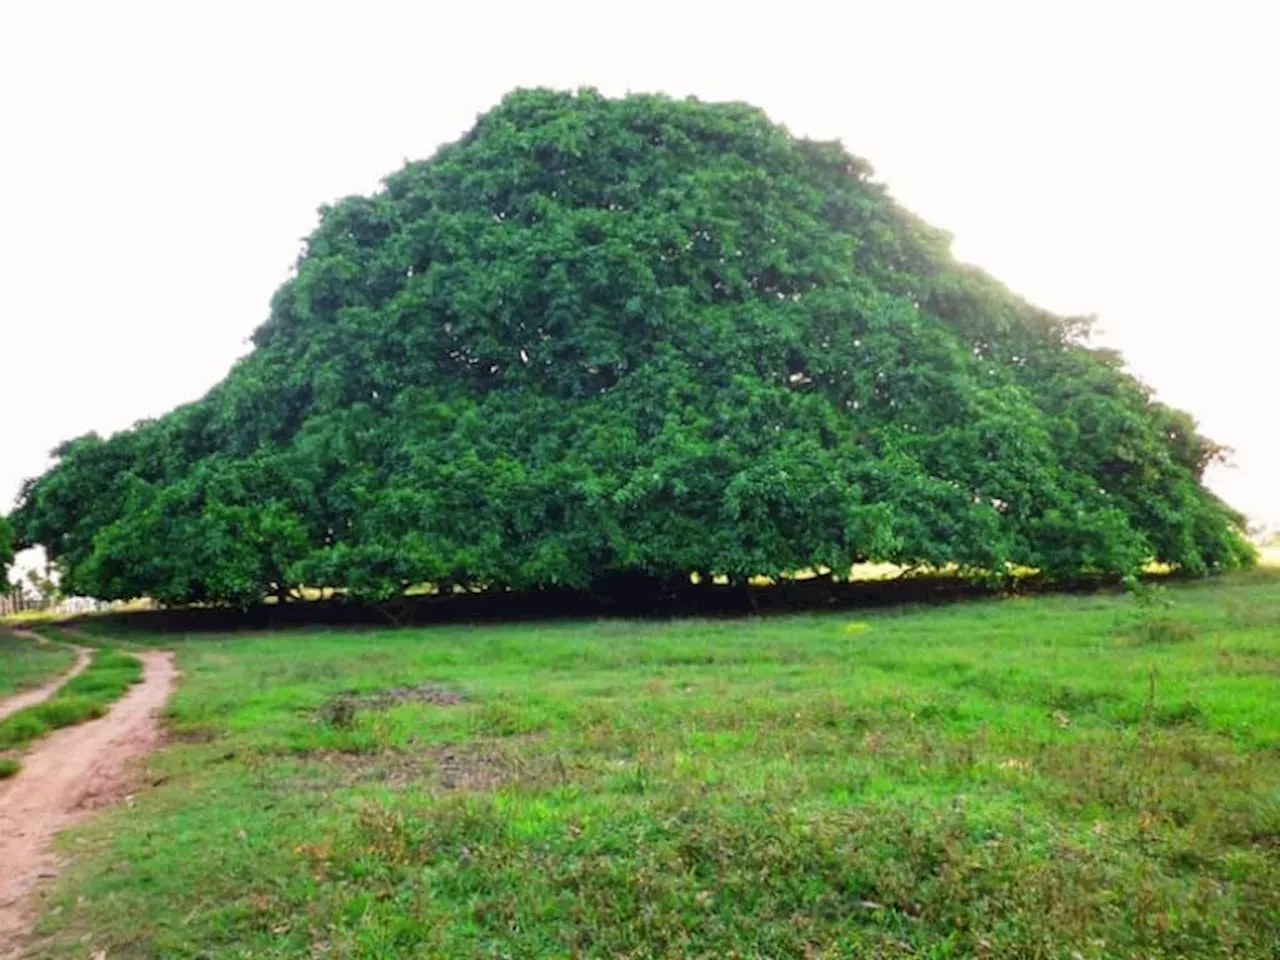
7	551
43	587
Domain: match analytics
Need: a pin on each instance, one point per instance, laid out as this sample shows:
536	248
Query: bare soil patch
478	766
340	710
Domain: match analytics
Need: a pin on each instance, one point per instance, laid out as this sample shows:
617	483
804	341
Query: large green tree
605	337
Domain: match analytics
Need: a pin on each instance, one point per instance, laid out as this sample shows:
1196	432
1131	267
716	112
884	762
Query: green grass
83	697
25	663
1052	777
85	634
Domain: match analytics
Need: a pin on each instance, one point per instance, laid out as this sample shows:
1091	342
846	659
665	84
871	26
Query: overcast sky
159	164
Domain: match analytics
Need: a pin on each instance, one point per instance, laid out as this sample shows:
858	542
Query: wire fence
20	601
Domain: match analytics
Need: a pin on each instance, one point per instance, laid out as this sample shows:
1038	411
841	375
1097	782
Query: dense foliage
602	337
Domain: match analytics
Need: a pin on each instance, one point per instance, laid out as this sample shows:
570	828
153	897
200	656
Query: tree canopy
599	337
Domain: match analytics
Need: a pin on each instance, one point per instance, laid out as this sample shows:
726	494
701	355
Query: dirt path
29	698
65	776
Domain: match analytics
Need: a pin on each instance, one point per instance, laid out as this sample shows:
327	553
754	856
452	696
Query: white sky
159	164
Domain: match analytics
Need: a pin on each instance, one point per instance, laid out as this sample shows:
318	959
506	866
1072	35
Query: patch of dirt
419	693
340	711
29	698
479	766
193	734
65	776
466	768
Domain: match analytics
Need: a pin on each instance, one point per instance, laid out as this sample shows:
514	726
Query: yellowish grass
29	617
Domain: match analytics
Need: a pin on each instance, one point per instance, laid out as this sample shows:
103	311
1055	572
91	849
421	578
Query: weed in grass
1153	623
340	711
9	767
1159	630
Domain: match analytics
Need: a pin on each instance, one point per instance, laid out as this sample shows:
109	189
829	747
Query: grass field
25	663
1053	777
